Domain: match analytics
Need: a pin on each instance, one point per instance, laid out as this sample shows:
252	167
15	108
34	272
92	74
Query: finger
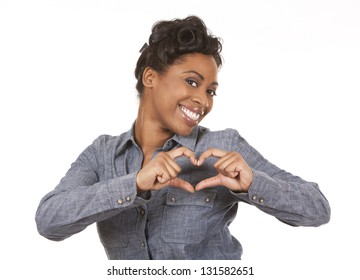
167	171
230	164
234	167
164	161
224	162
177	182
228	158
228	173
232	174
163	178
209	182
239	168
172	166
212	152
183	151
219	180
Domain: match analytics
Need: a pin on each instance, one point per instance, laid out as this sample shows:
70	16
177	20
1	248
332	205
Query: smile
190	114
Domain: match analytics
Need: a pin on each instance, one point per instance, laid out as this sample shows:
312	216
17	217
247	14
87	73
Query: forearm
68	210
295	202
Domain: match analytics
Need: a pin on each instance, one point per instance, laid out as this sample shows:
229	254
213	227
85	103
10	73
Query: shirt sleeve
80	199
281	194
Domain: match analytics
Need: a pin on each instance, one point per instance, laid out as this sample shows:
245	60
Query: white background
289	85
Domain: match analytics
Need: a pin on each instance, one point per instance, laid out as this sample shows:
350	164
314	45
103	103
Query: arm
257	181
287	197
80	199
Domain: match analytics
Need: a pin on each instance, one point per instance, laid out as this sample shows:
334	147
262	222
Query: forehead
203	64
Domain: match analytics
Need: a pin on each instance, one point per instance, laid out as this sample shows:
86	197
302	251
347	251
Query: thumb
209	182
179	183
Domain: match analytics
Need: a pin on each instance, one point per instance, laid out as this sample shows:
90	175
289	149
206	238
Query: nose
201	98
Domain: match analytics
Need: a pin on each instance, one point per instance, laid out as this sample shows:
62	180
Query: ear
149	77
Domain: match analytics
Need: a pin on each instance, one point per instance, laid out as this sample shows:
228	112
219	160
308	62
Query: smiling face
180	98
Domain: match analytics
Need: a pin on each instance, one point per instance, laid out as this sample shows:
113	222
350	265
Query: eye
192	83
211	92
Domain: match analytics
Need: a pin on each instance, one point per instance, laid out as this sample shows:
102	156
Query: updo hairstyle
170	40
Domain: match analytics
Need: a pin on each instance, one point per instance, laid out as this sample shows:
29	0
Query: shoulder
113	141
230	140
109	143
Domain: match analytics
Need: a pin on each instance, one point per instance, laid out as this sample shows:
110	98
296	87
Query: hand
234	172
163	170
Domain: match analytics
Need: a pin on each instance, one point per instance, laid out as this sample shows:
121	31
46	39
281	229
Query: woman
168	188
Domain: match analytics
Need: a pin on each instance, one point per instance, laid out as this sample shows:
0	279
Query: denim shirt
100	187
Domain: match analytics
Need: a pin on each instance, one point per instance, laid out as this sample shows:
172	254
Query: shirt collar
126	137
186	141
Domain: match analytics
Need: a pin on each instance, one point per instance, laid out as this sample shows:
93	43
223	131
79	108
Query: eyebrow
200	76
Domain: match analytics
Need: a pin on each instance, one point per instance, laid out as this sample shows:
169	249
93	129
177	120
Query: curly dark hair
170	40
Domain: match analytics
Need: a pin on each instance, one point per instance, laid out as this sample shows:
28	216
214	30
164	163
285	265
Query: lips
193	115
190	114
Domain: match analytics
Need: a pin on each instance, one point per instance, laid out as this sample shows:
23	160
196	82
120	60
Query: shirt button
142	244
173	199
254	197
262	200
128	198
207	200
120	201
142	212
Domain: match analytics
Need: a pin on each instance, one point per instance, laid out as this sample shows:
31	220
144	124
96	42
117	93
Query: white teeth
192	115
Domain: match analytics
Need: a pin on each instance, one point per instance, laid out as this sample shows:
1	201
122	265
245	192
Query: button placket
168	145
141	226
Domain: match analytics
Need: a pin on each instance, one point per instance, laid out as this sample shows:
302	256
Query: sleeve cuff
122	192
261	191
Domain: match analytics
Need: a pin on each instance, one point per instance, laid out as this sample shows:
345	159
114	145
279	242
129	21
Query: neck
148	134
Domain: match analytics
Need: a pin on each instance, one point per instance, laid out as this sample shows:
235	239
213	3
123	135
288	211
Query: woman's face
183	95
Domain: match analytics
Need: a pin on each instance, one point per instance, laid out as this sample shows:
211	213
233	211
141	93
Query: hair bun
169	40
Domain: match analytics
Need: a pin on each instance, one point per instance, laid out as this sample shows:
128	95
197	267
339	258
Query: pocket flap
201	198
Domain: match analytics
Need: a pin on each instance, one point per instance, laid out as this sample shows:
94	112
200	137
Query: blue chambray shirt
100	187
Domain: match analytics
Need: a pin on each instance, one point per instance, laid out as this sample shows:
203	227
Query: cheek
173	90
210	102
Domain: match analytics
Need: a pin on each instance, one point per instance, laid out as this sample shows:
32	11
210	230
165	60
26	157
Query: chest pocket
185	216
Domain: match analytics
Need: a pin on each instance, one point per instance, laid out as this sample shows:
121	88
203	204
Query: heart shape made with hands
229	166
